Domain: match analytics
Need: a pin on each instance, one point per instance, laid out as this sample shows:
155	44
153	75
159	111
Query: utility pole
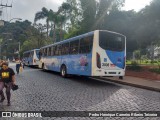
5	5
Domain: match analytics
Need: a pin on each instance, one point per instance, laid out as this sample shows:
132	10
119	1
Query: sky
26	9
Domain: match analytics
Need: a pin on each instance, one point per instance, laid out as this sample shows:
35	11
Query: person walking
1	84
17	65
8	79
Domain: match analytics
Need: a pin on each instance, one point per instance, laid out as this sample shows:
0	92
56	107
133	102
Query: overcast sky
26	9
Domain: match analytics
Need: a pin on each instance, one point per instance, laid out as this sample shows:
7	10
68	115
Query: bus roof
80	36
70	39
113	32
30	50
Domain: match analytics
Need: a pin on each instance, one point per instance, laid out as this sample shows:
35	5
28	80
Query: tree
43	14
88	8
75	13
62	17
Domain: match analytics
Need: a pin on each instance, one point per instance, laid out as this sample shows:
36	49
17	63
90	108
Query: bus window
86	44
65	48
45	51
110	41
59	49
40	53
56	50
49	51
74	47
31	54
53	50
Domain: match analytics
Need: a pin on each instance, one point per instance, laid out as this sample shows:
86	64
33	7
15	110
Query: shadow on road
90	81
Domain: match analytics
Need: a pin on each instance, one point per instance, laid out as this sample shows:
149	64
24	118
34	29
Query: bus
96	53
31	57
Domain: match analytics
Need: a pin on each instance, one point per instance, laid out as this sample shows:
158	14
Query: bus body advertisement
97	53
31	57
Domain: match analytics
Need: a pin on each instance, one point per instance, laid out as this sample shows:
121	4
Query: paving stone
48	91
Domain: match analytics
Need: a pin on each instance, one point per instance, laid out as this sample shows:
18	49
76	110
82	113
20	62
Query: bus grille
112	72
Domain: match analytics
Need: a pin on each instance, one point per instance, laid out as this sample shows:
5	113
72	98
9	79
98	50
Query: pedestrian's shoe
8	104
2	99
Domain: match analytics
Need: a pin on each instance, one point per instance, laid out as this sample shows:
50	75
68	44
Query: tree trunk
61	34
54	34
47	29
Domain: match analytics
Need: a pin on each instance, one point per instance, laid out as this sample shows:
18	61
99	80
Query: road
48	91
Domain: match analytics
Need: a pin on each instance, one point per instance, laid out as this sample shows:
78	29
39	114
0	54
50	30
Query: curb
130	84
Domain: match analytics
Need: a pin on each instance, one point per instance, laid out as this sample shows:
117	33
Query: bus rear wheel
63	71
121	77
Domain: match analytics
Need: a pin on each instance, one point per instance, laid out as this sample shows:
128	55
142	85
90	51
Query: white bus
31	57
97	53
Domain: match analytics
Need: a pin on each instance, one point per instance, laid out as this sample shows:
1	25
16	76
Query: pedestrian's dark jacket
6	75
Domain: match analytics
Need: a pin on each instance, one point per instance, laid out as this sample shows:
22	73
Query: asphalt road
48	91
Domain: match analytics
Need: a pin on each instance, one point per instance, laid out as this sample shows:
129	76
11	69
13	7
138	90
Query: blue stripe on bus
76	64
117	58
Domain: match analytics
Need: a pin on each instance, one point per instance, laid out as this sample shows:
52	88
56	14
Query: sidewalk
136	82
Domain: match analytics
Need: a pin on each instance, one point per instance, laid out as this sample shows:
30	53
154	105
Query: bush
152	62
146	62
155	70
134	66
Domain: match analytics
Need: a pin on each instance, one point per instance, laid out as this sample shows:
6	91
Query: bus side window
74	47
49	51
45	51
31	54
59	49
40	53
56	50
86	44
65	48
53	50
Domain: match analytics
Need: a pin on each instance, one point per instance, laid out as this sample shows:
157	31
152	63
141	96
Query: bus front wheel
43	67
63	71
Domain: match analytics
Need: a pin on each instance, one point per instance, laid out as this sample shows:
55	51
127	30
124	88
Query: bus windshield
37	53
111	41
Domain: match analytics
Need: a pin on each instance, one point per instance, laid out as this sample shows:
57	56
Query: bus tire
121	77
43	67
64	71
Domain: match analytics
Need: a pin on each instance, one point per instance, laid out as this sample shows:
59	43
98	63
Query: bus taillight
98	60
124	62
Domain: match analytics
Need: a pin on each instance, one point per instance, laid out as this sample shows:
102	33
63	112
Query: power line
2	5
5	5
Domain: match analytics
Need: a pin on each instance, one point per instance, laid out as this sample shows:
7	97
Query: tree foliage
75	17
